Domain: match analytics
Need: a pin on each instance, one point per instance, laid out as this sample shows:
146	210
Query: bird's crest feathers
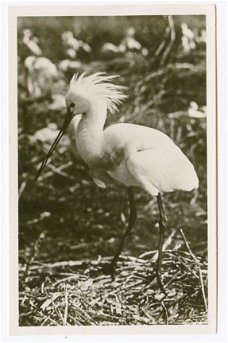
99	86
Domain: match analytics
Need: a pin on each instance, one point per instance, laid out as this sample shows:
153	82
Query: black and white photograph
114	170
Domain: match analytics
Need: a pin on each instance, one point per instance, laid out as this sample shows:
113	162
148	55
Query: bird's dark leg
162	222
131	222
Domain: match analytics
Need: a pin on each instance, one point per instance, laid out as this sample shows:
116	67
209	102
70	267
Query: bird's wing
150	157
164	168
133	137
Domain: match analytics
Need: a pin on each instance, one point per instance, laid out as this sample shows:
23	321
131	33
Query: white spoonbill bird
133	155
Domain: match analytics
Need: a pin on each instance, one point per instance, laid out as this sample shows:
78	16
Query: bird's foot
156	281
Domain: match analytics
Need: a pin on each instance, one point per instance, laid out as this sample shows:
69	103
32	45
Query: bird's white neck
89	134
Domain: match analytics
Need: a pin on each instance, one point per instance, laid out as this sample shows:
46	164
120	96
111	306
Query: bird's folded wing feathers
164	168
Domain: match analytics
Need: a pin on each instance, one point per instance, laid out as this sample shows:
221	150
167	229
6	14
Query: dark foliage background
64	216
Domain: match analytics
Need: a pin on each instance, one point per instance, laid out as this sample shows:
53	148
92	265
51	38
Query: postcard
113	169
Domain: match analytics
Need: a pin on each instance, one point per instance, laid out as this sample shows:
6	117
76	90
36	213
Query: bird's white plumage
96	87
131	154
151	159
163	169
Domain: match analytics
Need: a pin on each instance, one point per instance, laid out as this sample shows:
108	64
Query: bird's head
85	94
76	103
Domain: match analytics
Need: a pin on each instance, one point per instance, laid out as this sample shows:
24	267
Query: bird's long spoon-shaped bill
58	138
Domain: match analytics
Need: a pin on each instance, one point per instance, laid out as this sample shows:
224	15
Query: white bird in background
195	112
131	154
66	65
110	47
188	38
129	42
41	73
73	45
31	42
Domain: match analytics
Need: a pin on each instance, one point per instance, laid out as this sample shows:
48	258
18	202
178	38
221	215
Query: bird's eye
72	106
